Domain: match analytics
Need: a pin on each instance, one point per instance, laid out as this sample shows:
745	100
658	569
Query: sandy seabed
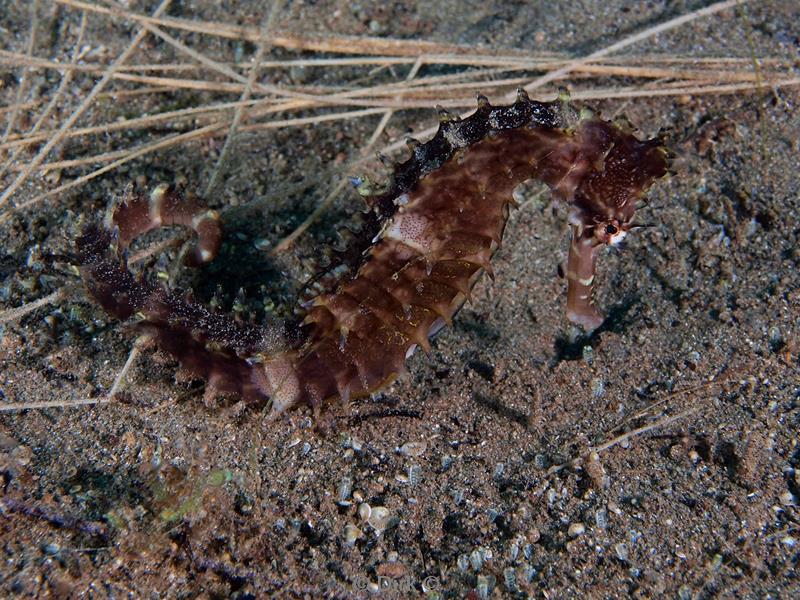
657	457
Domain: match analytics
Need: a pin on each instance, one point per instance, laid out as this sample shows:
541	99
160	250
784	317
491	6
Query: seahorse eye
613	233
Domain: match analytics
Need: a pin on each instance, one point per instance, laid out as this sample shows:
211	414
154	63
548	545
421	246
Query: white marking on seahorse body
211	215
283	383
617	237
412	230
156	202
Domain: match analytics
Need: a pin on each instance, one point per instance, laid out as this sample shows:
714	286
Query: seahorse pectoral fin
581	269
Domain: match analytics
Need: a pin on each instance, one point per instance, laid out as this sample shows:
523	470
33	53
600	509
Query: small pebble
298	73
527	551
588	355
413	448
463	563
576	529
513	552
414	474
684	593
775	338
379	518
621	551
476	559
601	518
528	572
351	534
484	587
510	579
343	493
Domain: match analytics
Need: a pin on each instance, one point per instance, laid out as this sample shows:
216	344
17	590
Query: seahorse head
604	204
622	171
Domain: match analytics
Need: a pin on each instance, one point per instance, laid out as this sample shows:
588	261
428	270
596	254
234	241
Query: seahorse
428	235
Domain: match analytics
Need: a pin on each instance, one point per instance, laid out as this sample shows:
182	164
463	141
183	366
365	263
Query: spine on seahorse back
428	238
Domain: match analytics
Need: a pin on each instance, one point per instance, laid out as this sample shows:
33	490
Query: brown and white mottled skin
427	239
